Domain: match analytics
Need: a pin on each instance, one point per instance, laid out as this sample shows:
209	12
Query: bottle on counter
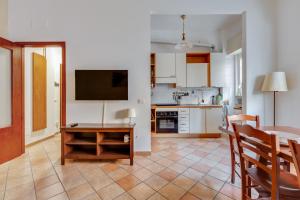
219	98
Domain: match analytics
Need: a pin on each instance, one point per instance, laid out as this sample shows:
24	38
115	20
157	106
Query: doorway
44	89
41	92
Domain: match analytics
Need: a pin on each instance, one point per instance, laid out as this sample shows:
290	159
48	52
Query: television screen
101	84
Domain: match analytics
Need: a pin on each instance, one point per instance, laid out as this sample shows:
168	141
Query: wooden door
11	121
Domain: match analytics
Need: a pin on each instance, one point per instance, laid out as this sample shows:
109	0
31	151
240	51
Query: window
238	70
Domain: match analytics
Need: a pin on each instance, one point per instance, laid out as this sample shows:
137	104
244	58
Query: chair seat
288	184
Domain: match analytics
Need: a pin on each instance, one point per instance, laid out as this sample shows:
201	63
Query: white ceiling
199	28
193	22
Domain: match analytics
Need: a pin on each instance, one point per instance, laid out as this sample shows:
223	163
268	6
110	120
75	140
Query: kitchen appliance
167	121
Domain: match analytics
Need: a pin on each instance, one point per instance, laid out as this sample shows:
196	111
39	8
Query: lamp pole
274	123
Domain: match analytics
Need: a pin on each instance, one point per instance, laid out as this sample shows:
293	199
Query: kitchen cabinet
165	68
218	70
213	119
197	75
180	69
197	120
183	120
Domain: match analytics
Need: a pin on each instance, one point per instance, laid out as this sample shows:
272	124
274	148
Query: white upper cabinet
180	70
213	119
197	75
165	68
197	120
218	69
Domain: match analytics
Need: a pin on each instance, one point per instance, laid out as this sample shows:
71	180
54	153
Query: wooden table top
283	132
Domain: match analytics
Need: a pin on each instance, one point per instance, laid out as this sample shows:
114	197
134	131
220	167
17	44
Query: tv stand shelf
96	142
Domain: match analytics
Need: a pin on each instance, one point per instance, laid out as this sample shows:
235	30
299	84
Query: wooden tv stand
89	141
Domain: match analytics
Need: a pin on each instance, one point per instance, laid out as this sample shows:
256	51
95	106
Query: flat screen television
101	84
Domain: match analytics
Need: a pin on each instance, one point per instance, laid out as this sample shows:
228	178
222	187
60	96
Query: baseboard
183	135
142	153
41	140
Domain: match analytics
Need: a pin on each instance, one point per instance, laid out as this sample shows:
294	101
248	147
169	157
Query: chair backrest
242	119
295	149
260	149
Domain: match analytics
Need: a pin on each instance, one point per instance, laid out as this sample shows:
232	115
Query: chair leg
232	159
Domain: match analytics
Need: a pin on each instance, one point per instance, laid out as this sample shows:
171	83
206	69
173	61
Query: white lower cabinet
183	120
197	120
213	120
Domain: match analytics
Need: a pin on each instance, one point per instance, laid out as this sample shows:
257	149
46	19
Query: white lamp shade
131	113
275	82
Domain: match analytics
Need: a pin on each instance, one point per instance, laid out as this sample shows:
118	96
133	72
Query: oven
167	121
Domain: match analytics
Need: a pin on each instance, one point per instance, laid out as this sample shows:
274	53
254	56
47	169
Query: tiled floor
185	169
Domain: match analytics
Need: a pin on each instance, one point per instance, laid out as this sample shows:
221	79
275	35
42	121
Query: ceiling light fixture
183	44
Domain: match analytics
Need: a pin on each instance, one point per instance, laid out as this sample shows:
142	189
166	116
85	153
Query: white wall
54	59
3	18
288	109
116	34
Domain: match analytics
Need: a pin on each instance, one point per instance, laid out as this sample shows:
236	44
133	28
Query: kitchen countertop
187	106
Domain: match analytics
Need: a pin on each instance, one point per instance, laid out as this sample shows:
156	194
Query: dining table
284	133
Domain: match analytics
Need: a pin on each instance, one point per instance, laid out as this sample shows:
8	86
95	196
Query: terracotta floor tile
201	167
124	196
189	196
128	182
16	181
70	181
157	196
221	196
110	167
203	192
131	169
193	174
99	182
172	192
168	174
144	162
186	162
50	191
80	191
110	192
156	182
92	196
62	196
143	174
178	168
212	182
231	191
118	174
44	182
184	182
218	174
155	168
141	192
165	162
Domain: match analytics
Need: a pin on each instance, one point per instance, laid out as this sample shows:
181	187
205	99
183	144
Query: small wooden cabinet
96	142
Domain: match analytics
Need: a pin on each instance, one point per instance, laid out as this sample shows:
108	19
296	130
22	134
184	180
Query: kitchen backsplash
163	93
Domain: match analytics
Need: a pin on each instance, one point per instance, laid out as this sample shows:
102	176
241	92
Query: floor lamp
275	82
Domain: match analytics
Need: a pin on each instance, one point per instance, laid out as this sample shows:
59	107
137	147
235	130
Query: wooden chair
233	151
263	170
295	149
